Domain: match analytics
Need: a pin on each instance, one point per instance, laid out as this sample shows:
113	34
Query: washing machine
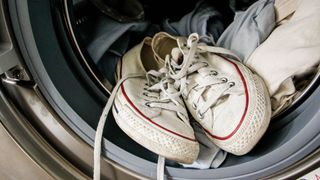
52	94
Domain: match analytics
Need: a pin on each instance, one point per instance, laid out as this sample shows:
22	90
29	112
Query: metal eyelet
200	115
184	96
194	106
148	104
205	63
231	84
178	114
214	73
145	94
224	79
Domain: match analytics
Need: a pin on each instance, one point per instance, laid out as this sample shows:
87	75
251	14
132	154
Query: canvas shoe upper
225	97
147	109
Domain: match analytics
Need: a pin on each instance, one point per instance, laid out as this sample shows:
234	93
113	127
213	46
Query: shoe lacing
185	61
159	92
164	88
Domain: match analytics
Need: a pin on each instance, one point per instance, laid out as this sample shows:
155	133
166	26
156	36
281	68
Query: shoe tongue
162	44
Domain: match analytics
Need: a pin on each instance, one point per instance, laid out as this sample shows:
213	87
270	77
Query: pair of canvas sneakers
164	77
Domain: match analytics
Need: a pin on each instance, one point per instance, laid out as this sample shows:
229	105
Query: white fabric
292	49
210	155
284	8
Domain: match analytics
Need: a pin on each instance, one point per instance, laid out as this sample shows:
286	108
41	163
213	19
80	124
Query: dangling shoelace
159	94
102	121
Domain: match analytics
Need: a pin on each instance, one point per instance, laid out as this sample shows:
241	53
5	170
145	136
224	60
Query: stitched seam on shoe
245	110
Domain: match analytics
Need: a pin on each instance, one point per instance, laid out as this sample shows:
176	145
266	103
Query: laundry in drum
289	58
195	87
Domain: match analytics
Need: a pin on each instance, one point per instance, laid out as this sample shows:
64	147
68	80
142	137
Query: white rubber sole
151	137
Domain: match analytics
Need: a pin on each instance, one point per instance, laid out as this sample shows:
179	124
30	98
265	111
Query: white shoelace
191	63
159	94
102	121
162	94
160	168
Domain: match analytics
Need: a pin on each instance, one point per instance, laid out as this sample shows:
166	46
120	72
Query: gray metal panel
8	56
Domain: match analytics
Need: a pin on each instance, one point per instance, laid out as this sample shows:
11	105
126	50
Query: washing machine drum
56	36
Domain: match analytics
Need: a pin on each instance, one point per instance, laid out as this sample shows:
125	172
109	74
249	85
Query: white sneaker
229	101
147	110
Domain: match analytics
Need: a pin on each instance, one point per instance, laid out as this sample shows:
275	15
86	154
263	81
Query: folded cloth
249	29
290	52
107	31
284	8
210	155
205	19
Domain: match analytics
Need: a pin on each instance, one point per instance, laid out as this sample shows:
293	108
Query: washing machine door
52	96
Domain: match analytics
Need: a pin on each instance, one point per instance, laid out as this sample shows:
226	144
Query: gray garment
204	20
107	66
107	31
210	155
249	29
107	63
109	40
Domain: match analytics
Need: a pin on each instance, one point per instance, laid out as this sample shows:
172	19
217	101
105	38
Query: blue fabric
108	40
249	29
205	19
107	31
